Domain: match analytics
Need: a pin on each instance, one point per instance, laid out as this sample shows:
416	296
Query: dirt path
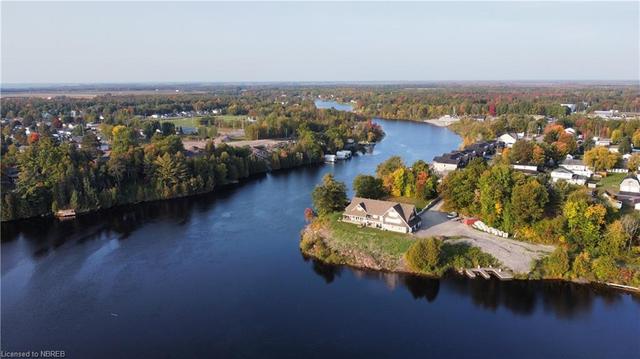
516	255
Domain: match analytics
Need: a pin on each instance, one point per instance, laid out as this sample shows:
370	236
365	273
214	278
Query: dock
486	273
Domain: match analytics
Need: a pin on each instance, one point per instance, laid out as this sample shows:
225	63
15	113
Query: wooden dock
487	272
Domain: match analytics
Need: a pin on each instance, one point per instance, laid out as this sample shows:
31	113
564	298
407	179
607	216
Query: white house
526	168
447	162
576	166
570	106
609	114
605	142
509	139
630	184
564	174
384	215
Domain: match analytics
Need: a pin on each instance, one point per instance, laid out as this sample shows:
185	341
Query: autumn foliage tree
601	159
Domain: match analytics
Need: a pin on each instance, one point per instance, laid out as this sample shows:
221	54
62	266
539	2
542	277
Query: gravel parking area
516	255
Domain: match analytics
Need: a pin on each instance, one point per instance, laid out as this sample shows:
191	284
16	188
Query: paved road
516	255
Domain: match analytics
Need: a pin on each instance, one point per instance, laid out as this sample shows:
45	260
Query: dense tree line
394	178
586	230
430	101
60	176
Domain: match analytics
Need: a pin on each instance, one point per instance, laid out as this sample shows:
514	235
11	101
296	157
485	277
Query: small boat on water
330	158
66	214
343	155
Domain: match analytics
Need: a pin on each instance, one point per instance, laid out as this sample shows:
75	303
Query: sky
71	42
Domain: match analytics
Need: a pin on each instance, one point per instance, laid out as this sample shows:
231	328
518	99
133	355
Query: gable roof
379	208
510	134
561	170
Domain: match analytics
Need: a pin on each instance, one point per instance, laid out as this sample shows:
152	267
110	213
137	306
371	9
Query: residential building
630	184
576	166
608	114
448	162
508	139
605	142
564	174
526	168
570	106
384	215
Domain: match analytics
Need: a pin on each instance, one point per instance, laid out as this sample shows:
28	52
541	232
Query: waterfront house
384	215
448	162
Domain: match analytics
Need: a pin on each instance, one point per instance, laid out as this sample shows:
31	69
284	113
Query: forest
147	160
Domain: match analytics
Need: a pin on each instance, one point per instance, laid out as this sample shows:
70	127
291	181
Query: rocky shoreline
319	242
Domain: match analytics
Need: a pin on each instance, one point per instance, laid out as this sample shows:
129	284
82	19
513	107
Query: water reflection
565	300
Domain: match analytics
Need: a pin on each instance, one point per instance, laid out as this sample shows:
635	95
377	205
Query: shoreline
325	251
80	213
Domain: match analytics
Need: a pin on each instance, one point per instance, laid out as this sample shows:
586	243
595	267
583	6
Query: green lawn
351	244
184	122
386	247
231	118
611	183
194	121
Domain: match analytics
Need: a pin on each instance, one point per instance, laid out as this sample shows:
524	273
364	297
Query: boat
330	158
66	213
343	155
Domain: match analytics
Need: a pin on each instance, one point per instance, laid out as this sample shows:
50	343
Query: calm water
221	276
333	104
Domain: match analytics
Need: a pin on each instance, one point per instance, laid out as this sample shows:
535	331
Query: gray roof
572	162
561	169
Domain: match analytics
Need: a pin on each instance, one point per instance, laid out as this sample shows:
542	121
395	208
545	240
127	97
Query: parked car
452	215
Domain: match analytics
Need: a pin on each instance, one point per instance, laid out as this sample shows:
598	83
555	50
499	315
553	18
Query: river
221	275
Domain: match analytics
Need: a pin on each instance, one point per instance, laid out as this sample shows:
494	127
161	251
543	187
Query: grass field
386	248
376	249
611	183
194	121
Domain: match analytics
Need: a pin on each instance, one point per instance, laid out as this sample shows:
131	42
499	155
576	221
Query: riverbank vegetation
588	232
335	242
94	153
395	181
419	102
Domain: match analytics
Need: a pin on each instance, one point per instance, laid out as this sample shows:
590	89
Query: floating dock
487	272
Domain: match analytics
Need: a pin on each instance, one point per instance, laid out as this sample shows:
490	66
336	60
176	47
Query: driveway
517	256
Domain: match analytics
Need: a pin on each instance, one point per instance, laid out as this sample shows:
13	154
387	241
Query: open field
189	144
194	121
